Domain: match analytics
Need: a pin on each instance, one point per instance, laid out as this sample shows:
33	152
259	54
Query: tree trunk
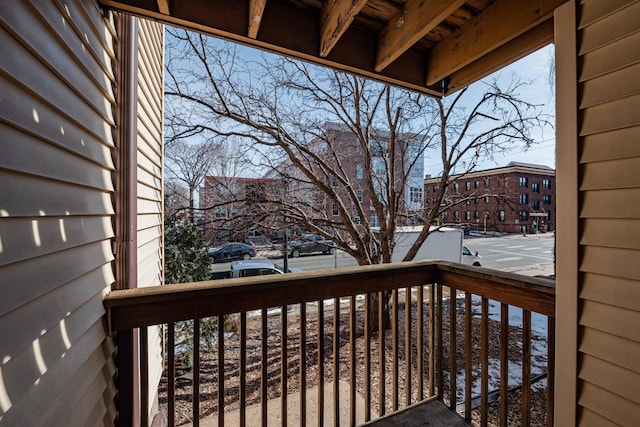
374	311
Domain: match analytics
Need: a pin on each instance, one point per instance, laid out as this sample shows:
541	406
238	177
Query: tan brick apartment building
514	198
233	207
230	206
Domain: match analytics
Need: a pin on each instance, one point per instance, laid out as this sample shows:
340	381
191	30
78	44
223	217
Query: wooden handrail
132	308
535	294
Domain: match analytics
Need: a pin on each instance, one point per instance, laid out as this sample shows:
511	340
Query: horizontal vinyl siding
56	213
149	187
609	293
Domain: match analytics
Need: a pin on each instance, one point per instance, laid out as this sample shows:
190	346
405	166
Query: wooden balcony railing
456	332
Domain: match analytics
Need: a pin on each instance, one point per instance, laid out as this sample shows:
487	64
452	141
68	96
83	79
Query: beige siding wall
56	144
149	187
607	295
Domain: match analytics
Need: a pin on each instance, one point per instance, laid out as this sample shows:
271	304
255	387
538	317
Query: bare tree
188	163
287	108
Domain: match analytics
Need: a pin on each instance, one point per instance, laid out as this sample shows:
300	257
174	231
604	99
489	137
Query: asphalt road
507	253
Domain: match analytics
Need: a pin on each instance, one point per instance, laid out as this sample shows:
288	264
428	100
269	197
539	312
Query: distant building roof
510	167
529	165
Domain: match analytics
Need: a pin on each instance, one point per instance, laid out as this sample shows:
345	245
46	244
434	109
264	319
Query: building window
467	202
546	199
415	195
359	195
456	186
500	215
535	187
486	200
475	200
476	215
334	181
486	183
427	189
549	216
467	185
476	184
373	220
356	220
334	210
359	171
220	213
523	215
523	199
467	215
456	215
435	188
524	182
546	183
486	215
445	216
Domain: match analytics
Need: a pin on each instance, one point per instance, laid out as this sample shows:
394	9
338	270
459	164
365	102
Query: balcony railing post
128	408
196	372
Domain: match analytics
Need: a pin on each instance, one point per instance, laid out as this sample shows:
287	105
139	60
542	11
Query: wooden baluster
283	365
468	352
303	364
526	367
551	358
221	370
336	362
420	342
439	344
352	360
453	336
263	367
432	339
321	363
196	373
171	374
144	376
407	346
381	350
394	349
367	359
484	367
243	368
504	363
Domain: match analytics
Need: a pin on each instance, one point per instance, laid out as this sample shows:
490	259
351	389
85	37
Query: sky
533	68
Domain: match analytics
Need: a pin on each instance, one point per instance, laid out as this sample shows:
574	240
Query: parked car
232	251
464	227
310	243
251	268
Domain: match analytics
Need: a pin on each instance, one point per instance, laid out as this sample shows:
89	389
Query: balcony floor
430	412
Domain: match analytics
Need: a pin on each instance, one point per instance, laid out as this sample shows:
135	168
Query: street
513	253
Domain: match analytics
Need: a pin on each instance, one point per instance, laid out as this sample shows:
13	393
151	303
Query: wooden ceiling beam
256	9
163	7
518	48
336	17
498	24
416	19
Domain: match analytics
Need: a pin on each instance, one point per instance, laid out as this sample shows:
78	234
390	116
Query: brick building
348	150
230	205
511	199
